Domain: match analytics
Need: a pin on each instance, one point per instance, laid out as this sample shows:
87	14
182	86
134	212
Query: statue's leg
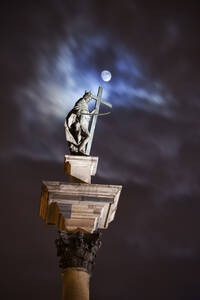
85	140
83	145
78	132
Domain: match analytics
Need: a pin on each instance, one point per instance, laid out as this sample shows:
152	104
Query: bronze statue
78	120
77	123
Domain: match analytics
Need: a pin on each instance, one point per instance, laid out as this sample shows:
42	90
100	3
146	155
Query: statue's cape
69	120
79	107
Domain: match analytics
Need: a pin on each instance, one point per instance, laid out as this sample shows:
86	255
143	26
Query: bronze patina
80	123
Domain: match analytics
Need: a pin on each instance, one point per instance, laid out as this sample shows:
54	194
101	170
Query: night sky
50	53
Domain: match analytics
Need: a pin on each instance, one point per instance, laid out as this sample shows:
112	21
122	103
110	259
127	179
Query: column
77	253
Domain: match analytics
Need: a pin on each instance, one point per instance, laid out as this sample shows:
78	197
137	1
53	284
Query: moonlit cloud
62	79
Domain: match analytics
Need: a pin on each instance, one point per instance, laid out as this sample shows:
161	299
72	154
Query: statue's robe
75	118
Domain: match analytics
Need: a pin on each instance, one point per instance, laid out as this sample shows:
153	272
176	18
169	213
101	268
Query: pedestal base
80	168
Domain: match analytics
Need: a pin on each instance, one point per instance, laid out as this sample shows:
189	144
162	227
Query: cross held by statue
99	100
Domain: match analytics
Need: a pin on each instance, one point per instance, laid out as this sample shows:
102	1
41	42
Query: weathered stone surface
78	206
78	250
80	168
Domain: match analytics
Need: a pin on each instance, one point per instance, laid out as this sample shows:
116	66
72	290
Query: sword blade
106	103
102	101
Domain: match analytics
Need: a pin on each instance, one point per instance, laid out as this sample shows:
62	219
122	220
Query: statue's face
88	98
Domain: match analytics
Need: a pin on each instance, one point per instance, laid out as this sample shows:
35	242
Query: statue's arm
93	111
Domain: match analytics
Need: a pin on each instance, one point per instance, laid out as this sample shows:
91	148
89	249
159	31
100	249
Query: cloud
63	77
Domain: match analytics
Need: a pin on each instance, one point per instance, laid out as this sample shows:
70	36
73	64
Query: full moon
106	75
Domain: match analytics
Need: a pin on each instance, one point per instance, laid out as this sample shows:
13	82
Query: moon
106	75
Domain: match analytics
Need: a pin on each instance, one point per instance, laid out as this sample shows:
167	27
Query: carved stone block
78	206
80	168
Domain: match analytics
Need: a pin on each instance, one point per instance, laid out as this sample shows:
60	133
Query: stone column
77	253
80	210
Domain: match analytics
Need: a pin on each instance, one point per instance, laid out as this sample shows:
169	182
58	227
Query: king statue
77	123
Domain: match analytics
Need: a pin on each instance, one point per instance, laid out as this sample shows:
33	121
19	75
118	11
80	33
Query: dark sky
50	53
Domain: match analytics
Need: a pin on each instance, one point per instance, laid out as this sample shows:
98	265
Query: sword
102	101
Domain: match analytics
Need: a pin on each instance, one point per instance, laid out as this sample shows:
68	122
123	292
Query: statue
77	124
78	120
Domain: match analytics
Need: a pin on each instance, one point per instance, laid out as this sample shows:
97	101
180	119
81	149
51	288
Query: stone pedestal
78	206
79	209
80	168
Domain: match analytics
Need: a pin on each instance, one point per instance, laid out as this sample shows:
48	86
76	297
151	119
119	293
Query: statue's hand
93	111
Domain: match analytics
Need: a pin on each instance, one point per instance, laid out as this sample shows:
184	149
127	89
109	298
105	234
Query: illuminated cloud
62	79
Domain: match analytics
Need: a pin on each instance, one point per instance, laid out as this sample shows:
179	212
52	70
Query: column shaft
75	284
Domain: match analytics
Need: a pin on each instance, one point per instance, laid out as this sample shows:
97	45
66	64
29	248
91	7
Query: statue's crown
87	93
